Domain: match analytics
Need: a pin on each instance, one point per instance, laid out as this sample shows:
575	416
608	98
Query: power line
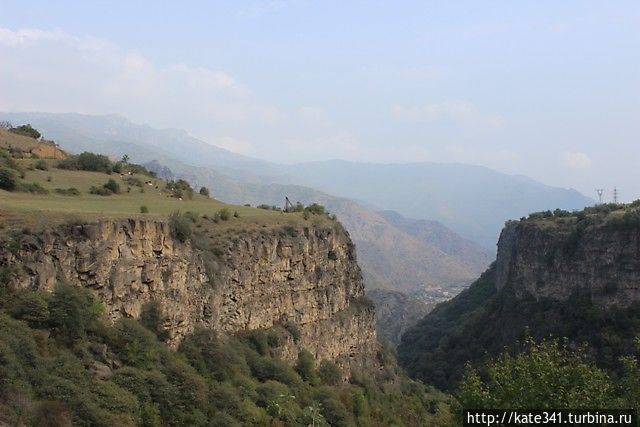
600	192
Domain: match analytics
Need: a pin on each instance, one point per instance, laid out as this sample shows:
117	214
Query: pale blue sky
549	89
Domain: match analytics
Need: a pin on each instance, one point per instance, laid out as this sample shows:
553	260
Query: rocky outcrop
305	276
554	263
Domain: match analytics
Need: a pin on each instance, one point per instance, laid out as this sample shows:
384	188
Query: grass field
18	207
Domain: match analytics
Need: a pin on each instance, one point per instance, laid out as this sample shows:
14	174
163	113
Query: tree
26	130
546	376
125	159
306	366
8	180
204	191
72	312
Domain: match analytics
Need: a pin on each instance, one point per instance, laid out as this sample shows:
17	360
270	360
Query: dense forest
481	329
62	364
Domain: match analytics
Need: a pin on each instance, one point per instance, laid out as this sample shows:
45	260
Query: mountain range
458	210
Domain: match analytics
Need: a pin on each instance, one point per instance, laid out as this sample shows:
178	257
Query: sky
547	89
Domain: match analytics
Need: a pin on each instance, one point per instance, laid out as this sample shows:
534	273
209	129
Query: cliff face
601	261
306	276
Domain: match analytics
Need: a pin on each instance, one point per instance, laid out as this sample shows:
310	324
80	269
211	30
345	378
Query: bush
132	180
547	375
109	188
113	186
315	209
329	373
204	191
151	317
8	179
100	191
32	307
144	209
73	313
179	189
32	187
236	214
180	226
191	216
41	165
224	214
71	191
26	130
88	162
306	366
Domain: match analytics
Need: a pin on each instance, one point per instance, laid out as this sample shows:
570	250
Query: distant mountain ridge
473	201
394	253
476	257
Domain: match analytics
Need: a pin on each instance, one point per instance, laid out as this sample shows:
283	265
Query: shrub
113	186
32	307
88	162
26	130
32	187
107	189
204	191
545	376
306	366
71	191
236	214
191	216
224	214
132	180
179	189
180	226
144	209
8	179
100	191
329	373
73	313
151	317
315	209
41	165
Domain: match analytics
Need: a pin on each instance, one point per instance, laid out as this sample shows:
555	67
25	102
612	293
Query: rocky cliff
303	277
568	275
553	261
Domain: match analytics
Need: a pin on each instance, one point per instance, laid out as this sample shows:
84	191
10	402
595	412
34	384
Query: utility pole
287	204
600	192
615	195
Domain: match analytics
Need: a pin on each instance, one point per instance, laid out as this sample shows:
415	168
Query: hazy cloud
55	71
457	112
576	160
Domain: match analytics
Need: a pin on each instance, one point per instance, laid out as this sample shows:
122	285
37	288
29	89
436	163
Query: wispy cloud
56	71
